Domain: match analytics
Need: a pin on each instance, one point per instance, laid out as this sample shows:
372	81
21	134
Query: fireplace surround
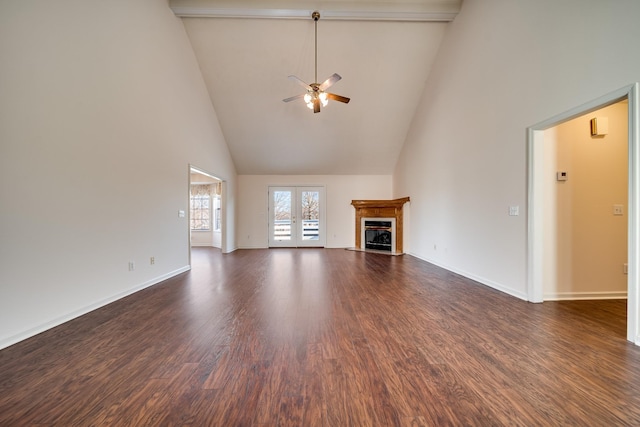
380	211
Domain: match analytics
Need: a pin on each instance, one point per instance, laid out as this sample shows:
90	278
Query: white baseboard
483	281
84	310
566	296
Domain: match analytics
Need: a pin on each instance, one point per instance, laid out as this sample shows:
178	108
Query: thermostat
561	176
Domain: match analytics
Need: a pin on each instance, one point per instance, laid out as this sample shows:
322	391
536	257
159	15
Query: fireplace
379	224
379	234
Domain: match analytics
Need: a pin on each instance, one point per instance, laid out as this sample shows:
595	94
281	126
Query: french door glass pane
310	214
282	215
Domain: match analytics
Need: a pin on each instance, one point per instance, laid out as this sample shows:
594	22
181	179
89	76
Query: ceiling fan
316	94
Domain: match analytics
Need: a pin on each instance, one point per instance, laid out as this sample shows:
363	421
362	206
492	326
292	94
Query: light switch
180	214
514	210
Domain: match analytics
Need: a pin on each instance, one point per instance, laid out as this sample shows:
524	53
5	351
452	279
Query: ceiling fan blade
316	105
300	82
330	81
294	98
338	97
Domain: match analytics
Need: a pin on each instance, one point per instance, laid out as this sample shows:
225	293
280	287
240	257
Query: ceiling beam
198	12
359	10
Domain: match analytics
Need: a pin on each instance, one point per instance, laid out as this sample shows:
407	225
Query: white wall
110	92
340	190
585	244
502	66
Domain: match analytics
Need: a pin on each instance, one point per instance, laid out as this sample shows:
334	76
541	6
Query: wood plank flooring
325	337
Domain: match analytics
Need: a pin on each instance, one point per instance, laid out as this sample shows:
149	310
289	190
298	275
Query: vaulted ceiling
383	51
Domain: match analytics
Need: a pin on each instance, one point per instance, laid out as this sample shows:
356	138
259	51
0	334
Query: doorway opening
538	228
206	210
585	190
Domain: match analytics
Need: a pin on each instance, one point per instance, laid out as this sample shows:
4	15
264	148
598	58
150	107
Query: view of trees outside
310	212
282	205
310	205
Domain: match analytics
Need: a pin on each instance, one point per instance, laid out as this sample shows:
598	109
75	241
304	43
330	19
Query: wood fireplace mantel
380	209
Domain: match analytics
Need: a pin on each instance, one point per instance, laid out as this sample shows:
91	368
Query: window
200	208
216	213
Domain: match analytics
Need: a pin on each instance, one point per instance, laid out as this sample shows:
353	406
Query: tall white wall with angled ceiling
503	66
103	108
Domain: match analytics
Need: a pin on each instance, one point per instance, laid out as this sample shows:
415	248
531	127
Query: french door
296	217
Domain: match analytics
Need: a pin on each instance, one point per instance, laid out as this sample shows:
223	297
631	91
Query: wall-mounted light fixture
599	126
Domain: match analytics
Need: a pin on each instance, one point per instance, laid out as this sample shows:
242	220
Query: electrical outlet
132	265
152	260
617	210
514	210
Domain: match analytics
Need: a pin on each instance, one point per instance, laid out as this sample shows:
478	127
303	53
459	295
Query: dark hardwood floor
316	337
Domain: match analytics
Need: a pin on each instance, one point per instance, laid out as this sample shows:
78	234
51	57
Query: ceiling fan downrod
316	16
316	93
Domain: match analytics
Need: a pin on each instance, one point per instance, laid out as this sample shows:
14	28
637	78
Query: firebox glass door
296	216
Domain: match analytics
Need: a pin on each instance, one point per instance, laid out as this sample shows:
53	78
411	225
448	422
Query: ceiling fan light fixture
323	98
316	95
